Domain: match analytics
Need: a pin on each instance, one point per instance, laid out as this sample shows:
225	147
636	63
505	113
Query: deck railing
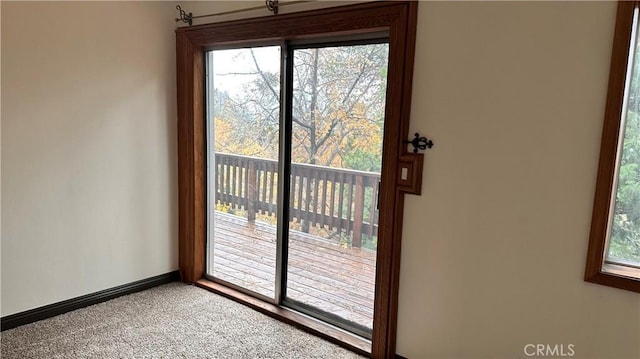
340	200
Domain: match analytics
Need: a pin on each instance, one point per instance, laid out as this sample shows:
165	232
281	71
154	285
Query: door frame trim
399	18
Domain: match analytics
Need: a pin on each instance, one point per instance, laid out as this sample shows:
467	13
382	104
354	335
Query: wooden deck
336	279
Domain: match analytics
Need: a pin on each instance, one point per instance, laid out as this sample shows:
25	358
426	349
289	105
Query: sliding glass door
293	164
243	117
338	102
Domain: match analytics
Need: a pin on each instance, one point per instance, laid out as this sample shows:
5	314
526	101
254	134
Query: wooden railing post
252	196
359	213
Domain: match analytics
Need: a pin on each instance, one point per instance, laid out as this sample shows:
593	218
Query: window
614	246
296	35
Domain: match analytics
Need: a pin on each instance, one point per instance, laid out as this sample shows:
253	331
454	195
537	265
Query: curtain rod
271	5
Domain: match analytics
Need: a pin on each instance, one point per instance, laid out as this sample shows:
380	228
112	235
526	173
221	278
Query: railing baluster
332	200
222	184
340	203
372	206
358	215
222	181
228	180
242	196
299	203
307	201
271	187
323	204
264	187
231	180
316	196
216	179
251	193
349	204
238	193
292	192
234	182
259	174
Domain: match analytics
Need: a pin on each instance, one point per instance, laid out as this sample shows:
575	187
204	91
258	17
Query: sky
239	61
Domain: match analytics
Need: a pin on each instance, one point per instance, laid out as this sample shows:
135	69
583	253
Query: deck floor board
334	278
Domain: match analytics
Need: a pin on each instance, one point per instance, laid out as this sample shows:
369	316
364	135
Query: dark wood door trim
191	152
399	19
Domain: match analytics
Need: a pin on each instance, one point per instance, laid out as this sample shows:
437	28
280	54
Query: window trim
399	18
597	269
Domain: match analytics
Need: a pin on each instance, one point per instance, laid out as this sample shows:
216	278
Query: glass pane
338	117
243	92
624	240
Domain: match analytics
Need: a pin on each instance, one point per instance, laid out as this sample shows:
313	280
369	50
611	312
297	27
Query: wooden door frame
399	19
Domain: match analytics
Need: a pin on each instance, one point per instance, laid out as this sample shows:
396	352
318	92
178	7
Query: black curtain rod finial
183	16
272	5
420	143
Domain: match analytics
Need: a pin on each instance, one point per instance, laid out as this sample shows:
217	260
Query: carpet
169	321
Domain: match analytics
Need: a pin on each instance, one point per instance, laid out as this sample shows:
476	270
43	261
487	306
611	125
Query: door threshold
310	325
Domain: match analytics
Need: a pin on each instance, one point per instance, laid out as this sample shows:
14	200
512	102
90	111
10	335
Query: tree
624	243
338	104
338	107
625	231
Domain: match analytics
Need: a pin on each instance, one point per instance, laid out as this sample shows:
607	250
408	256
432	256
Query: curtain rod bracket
272	5
183	16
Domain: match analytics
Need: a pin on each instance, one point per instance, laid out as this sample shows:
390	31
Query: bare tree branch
329	133
266	81
296	120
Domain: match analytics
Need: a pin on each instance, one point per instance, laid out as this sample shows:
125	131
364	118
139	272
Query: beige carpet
170	321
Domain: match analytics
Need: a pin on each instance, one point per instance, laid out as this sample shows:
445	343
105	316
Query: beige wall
89	158
493	251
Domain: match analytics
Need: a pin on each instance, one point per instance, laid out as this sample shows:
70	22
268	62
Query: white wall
89	156
493	251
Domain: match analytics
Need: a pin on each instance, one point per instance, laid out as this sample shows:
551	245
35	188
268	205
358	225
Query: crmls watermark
549	350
